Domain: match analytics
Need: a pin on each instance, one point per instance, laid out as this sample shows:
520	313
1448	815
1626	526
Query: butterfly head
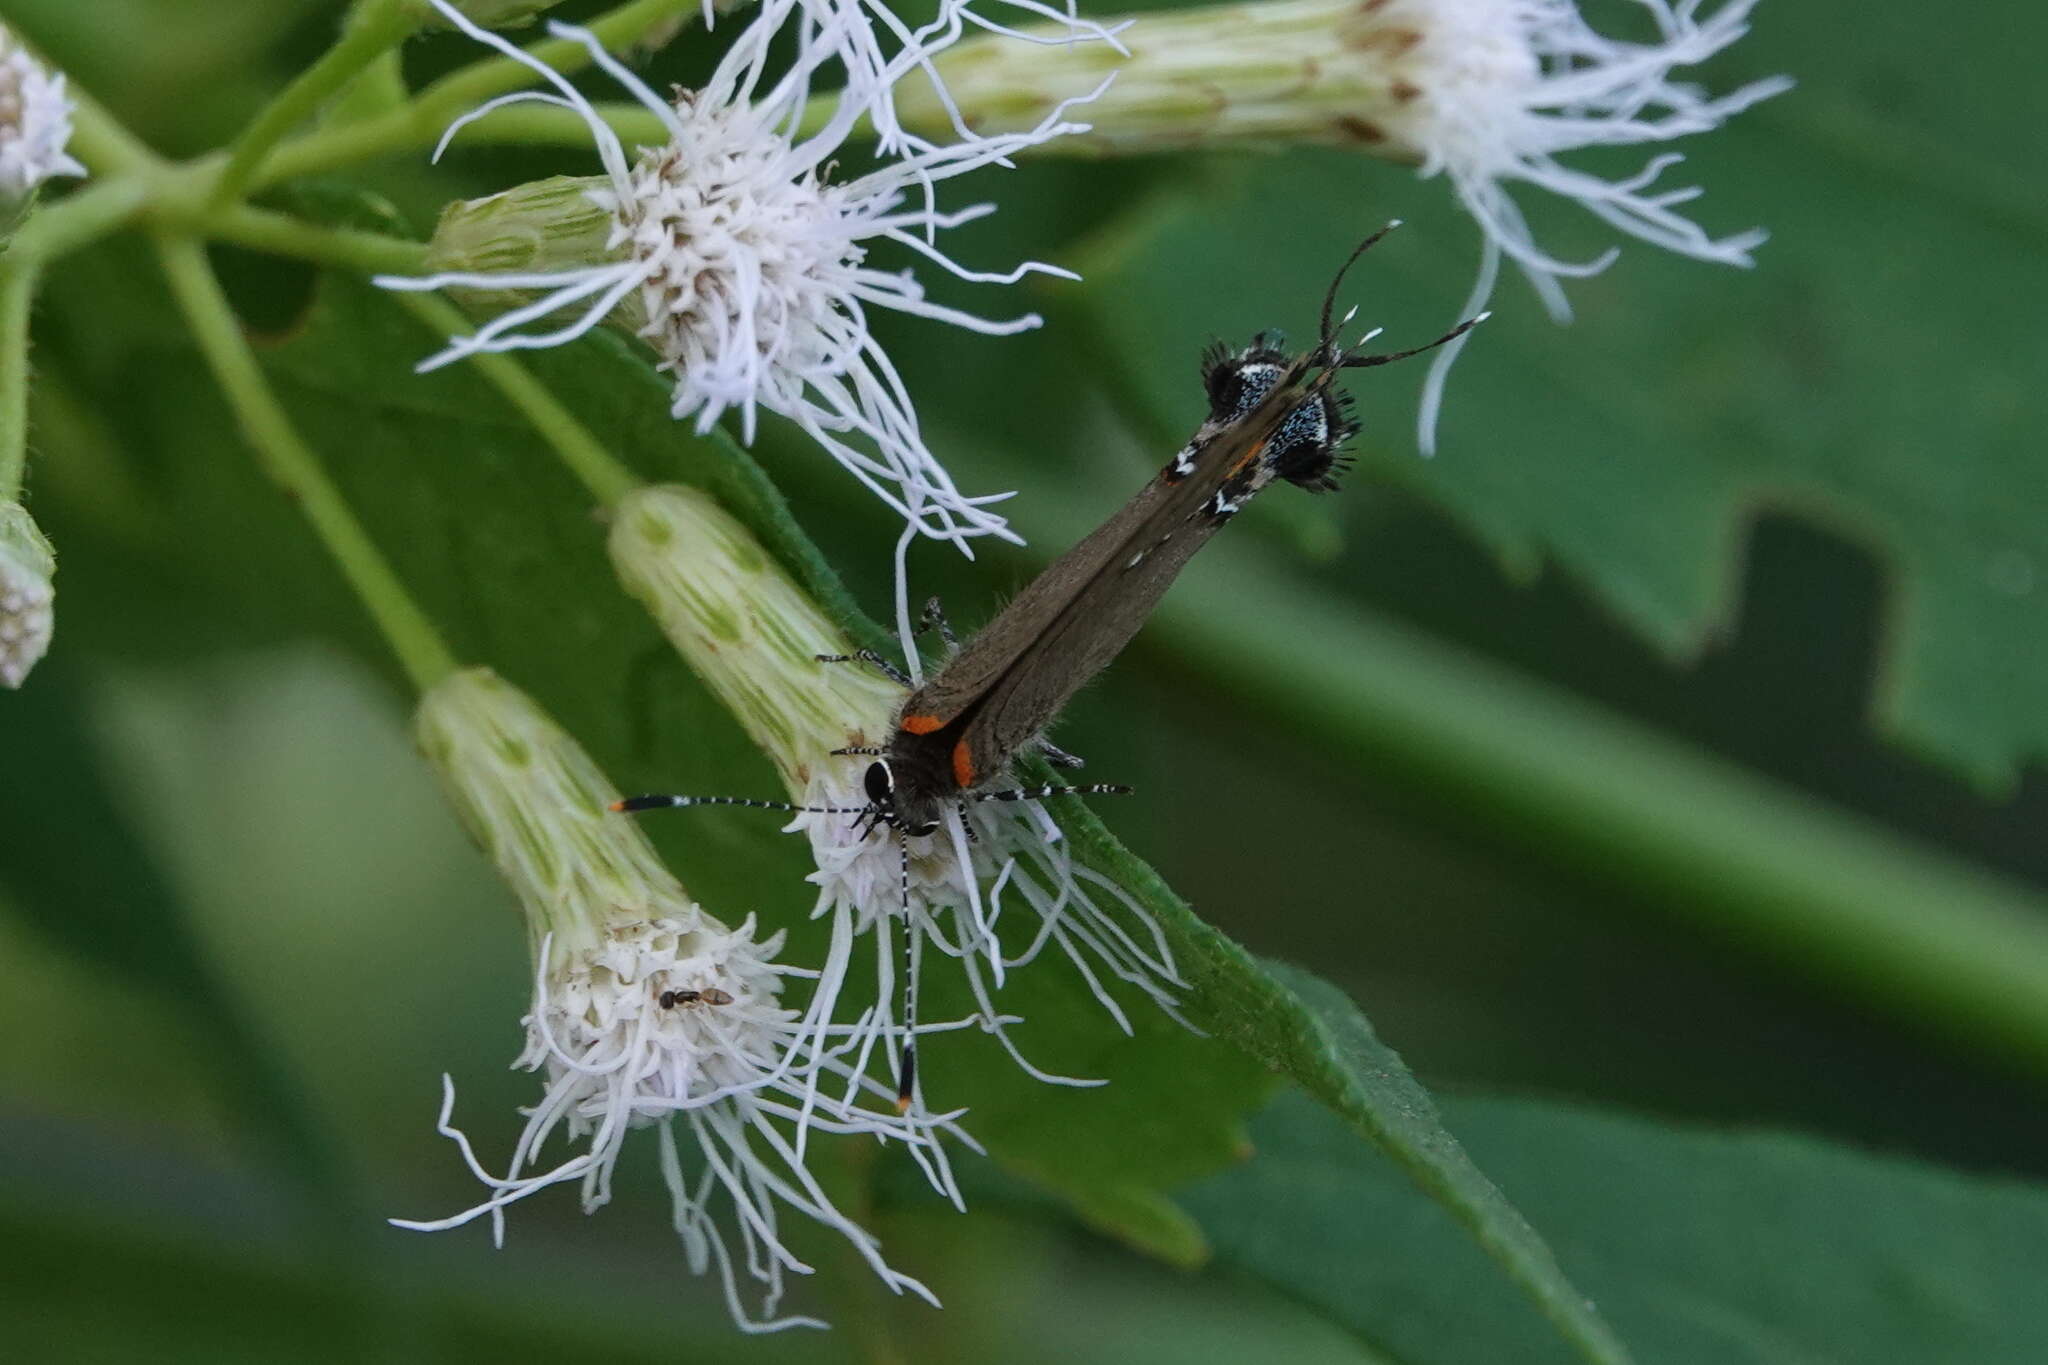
1306	445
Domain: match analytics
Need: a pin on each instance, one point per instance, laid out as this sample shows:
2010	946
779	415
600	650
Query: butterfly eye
880	784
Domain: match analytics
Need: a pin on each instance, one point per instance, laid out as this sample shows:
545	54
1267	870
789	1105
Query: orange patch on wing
963	766
923	725
1250	455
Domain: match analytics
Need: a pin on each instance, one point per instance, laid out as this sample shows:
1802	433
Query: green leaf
1312	1031
1874	372
1703	1247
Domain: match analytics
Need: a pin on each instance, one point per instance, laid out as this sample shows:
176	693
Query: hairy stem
76	220
586	457
370	30
49	232
17	293
369	253
539	125
536	125
291	464
422	121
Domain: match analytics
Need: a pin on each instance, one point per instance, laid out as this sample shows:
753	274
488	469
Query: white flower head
35	122
650	1013
750	262
952	891
1488	93
1496	90
990	903
27	594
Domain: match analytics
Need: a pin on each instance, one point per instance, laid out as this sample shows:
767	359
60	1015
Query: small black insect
1272	415
710	995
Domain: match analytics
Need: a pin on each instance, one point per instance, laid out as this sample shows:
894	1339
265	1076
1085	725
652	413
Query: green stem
537	125
540	125
423	120
370	30
77	219
51	230
374	253
100	141
293	466
369	253
1944	945
17	293
599	470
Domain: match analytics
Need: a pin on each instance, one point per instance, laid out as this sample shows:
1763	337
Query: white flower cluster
676	1022
35	123
750	260
1015	851
27	597
1491	94
1502	88
650	1013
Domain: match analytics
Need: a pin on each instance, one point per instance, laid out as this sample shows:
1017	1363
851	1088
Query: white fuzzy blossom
749	261
989	905
726	1068
648	1012
1490	94
1503	87
27	596
35	123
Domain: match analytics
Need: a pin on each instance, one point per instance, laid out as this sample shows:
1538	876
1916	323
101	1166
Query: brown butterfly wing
1157	534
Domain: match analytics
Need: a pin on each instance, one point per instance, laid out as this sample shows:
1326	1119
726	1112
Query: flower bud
544	227
27	564
748	630
35	126
1276	73
538	805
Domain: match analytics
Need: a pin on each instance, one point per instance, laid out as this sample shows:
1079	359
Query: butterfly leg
1058	757
872	660
934	618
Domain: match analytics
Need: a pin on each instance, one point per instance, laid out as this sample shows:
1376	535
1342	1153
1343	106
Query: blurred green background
1792	517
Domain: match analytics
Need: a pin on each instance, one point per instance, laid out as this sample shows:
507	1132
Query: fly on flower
956	737
747	261
709	995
